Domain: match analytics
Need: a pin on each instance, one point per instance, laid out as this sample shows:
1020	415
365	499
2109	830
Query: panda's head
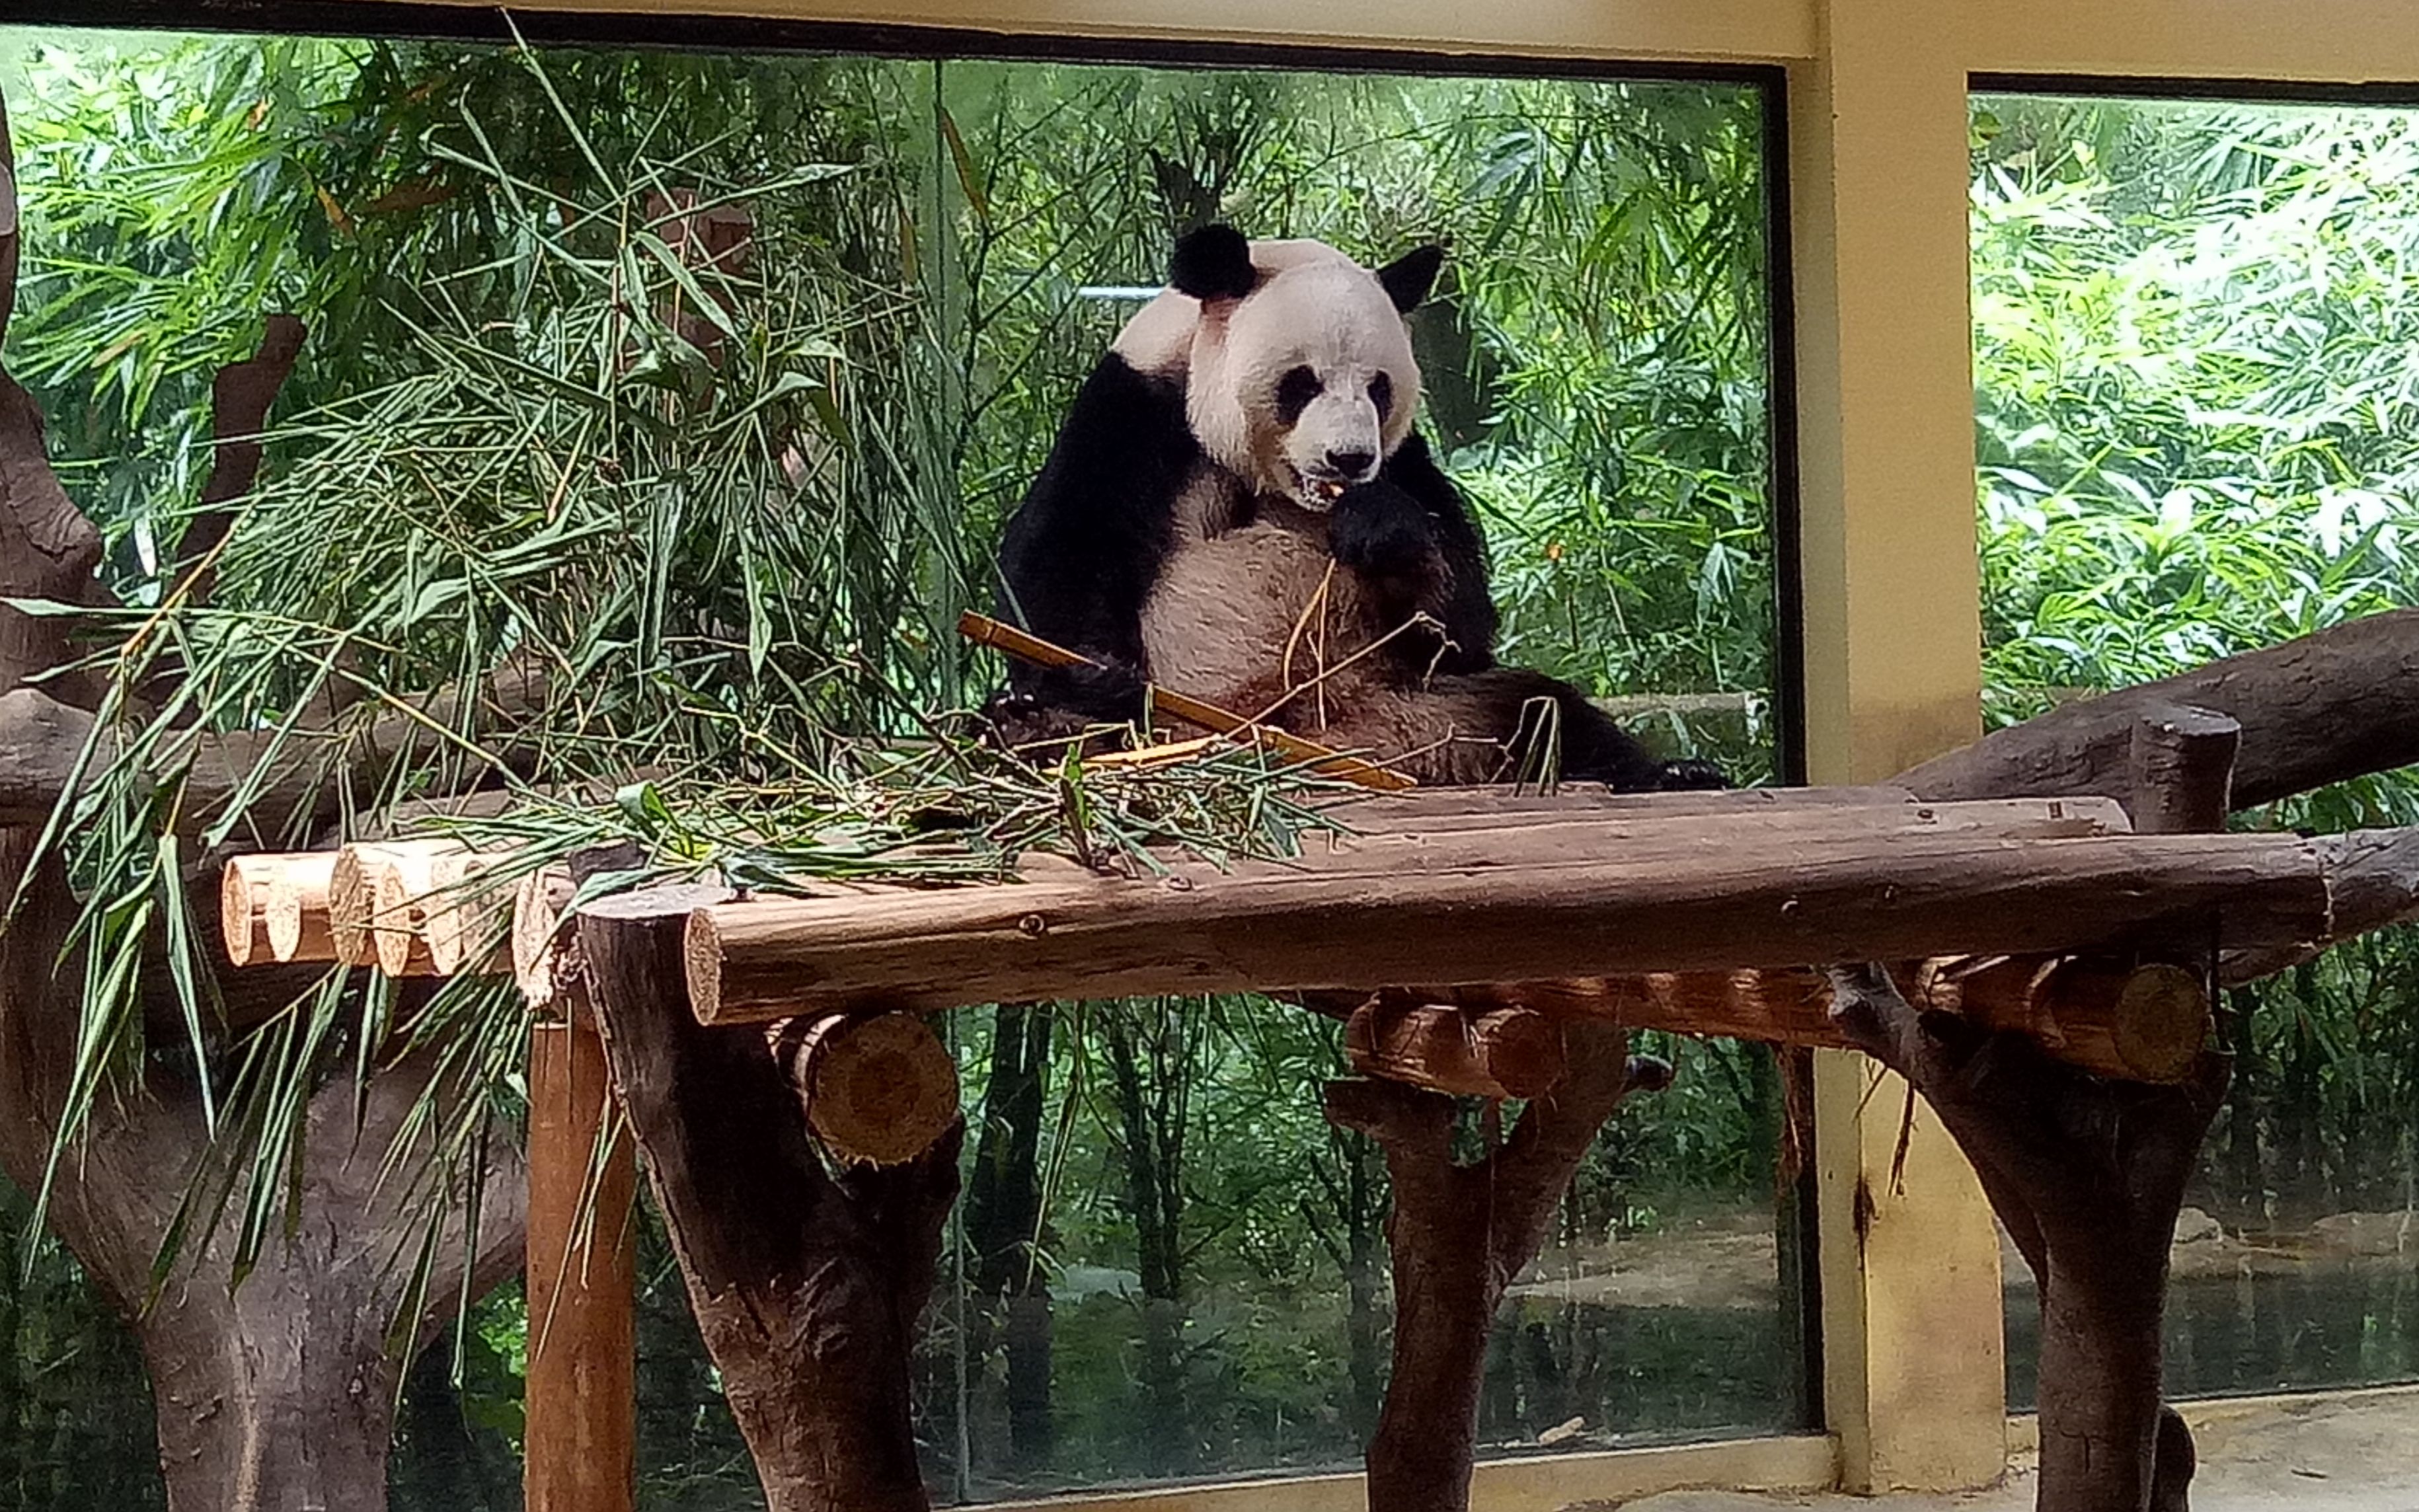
1296	360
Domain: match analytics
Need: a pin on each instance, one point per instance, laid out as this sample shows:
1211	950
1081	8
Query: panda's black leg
1597	750
1691	776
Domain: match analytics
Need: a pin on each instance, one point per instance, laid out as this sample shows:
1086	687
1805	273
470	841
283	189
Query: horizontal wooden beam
1497	1053
2137	1021
1609	896
2340	703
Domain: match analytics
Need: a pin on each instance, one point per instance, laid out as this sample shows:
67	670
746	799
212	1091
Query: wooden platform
1699	913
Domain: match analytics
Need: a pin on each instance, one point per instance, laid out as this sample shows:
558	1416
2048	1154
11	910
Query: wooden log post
1496	1053
808	1283
2182	770
580	1395
1460	1234
2087	1173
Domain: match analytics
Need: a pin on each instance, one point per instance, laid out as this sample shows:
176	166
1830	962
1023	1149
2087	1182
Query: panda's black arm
1080	554
1414	538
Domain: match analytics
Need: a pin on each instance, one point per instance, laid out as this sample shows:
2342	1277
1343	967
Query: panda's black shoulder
1103	500
1081	553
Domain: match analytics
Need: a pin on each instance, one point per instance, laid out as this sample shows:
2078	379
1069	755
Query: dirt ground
2340	1454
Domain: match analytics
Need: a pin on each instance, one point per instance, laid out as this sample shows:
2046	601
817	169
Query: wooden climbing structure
801	1120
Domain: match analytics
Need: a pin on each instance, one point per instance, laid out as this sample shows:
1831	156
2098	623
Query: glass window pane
2192	353
1167	1265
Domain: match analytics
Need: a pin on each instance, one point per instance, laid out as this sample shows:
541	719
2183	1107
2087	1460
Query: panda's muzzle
1344	470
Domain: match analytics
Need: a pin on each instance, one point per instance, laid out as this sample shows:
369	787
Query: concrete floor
2356	1453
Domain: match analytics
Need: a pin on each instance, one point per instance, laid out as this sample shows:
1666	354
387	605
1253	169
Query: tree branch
293	780
2331	706
241	398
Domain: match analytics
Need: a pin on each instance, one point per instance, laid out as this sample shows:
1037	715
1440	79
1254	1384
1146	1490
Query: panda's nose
1351	465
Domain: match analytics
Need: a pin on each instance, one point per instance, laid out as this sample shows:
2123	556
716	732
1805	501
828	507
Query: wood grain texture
1494	1052
1705	894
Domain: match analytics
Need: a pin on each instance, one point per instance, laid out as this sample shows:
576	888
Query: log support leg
581	1425
1460	1234
808	1279
2088	1173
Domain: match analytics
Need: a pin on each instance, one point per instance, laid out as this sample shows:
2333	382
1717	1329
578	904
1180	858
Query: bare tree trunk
808	1282
1003	1211
2088	1176
1459	1235
1151	1067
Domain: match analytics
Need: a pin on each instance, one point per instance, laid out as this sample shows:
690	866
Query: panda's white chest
1253	616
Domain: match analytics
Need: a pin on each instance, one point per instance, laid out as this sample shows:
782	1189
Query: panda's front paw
1690	776
1378	530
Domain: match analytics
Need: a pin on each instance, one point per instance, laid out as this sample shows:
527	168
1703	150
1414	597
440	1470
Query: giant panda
1239	508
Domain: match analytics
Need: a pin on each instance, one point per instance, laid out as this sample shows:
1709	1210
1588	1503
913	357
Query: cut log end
298	907
701	949
539	948
243	909
2163	1022
401	883
878	1089
353	893
467	917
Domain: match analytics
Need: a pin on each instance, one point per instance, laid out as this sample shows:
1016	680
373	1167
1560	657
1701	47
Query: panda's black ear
1214	263
1407	279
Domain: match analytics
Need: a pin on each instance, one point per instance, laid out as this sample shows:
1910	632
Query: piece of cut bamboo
298	907
243	908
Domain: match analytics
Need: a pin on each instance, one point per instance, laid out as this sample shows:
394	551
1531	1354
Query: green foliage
742	565
2193	351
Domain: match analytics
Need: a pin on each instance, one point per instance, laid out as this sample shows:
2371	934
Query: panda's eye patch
1381	393
1294	392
